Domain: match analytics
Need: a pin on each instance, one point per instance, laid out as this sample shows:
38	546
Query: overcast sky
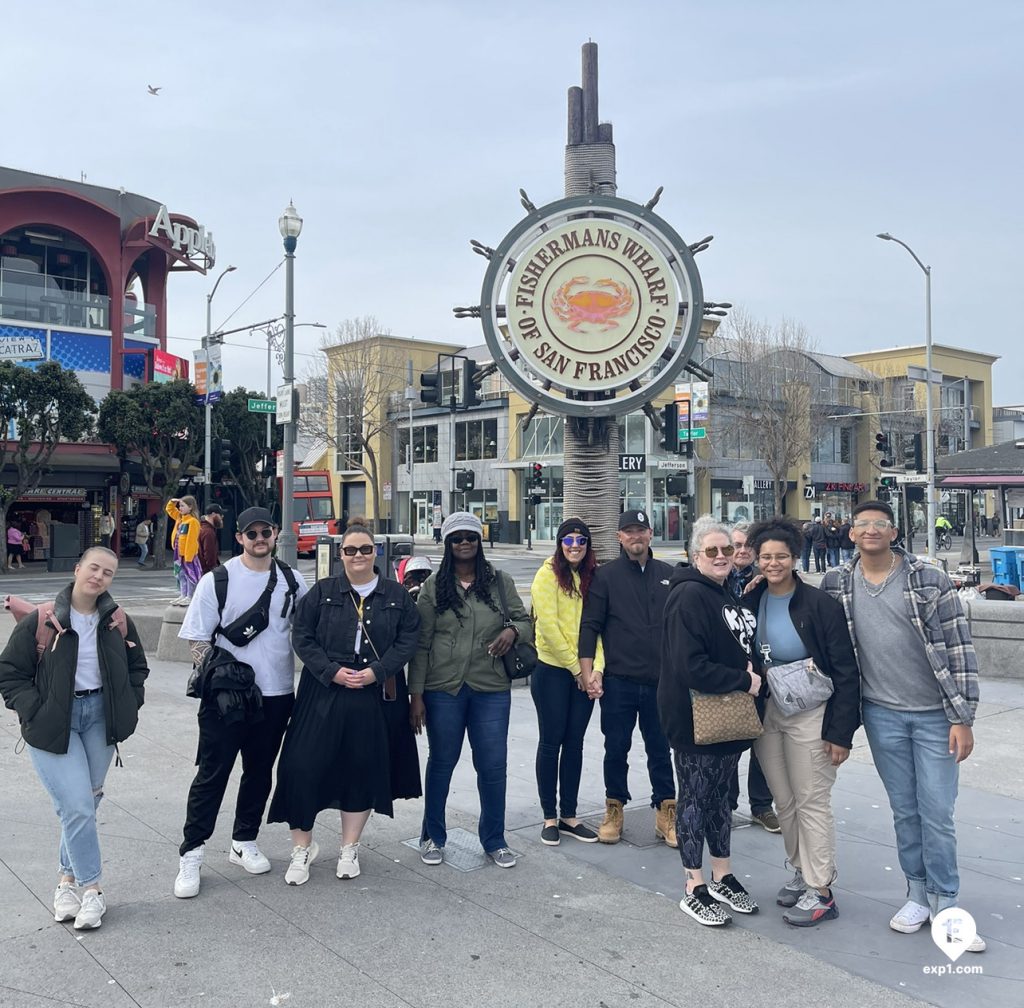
793	132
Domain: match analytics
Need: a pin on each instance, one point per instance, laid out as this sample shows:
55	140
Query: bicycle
943	540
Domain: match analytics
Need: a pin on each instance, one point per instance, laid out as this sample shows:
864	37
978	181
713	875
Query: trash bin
1007	564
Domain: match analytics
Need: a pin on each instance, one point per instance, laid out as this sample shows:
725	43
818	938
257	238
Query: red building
83	281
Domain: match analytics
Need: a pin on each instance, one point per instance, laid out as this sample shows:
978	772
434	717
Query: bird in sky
153	90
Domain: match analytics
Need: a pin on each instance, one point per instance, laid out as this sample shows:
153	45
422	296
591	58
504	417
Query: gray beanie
461	521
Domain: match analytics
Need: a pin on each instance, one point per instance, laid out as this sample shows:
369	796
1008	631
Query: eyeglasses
264	533
365	550
577	540
765	558
882	524
469	537
712	551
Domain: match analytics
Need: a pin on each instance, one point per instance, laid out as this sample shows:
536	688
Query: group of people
636	634
195	546
827	539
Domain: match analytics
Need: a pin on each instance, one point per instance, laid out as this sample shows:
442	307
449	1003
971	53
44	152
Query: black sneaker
703	909
581	831
729	890
549	835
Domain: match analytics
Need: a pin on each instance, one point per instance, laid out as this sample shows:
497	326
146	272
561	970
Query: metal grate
462	852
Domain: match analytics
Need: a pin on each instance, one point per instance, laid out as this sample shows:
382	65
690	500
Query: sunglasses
712	551
882	524
365	550
574	540
263	533
469	537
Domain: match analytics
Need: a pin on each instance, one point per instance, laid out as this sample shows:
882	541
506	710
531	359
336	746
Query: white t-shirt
363	591
270	654
87	672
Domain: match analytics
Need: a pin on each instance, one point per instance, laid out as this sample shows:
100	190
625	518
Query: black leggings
702	811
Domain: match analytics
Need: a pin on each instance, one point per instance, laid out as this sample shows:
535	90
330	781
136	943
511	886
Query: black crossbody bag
521	658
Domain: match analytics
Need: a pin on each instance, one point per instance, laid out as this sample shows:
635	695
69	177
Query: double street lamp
930	432
290	226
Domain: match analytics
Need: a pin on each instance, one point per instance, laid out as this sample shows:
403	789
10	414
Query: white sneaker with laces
298	866
186	885
66	903
348	861
249	856
978	945
909	918
93	909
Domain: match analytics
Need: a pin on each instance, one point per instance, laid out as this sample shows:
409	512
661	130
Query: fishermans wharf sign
582	301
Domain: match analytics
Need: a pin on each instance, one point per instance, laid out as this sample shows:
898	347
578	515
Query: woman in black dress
354	633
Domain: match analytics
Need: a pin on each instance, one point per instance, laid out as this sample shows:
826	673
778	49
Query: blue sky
793	132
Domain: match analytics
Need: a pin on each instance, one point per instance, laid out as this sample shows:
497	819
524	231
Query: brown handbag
724	717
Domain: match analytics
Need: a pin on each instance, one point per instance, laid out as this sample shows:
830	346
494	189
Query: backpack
220	586
20	608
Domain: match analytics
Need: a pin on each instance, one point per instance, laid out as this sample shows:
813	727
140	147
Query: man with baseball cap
624	607
244	607
209	546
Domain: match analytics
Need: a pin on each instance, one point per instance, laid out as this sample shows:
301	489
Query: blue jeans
911	754
143	553
563	713
484	716
832	556
74	781
846	555
625	701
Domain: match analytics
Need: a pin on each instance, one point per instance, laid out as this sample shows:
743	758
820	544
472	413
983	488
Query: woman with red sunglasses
559	691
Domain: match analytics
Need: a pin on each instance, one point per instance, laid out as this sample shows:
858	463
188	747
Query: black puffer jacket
43	696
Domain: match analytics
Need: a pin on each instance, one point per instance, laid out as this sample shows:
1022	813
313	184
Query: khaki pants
801	775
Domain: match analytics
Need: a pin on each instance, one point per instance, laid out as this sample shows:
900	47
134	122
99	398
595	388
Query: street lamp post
207	472
290	226
930	432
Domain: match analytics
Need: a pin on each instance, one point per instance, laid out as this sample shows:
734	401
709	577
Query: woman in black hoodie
708	646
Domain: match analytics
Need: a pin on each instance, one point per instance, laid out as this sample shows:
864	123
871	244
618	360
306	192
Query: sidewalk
581	924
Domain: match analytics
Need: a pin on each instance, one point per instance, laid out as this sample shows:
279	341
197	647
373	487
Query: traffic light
465	479
913	456
536	499
883	445
468	391
889	482
220	458
670	428
537	474
430	387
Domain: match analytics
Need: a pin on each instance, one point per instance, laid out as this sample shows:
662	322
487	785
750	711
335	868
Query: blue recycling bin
1007	564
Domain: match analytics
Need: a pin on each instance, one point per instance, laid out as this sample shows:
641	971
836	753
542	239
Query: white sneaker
348	861
66	903
298	867
910	917
978	945
249	856
93	909
186	885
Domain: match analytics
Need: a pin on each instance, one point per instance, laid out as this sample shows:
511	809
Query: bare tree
350	389
769	398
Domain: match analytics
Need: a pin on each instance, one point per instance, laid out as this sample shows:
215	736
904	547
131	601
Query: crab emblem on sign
596	305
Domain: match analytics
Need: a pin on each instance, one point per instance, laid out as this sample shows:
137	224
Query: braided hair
448	593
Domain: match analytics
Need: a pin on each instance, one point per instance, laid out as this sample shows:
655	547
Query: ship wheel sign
590	305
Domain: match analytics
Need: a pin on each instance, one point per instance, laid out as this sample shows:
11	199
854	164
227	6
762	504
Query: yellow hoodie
557	626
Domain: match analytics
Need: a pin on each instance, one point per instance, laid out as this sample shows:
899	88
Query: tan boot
610	831
665	822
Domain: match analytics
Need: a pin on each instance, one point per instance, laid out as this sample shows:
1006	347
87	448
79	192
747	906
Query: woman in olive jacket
76	702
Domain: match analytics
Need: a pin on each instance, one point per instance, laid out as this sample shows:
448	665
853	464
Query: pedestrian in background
354	633
625	607
143	532
185	546
209	541
708	647
15	541
800	752
458	684
76	701
819	543
557	685
106	529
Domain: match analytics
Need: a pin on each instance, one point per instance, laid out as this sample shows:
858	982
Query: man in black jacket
625	606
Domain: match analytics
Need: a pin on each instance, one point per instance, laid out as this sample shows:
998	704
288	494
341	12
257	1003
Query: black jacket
324	632
43	695
625	605
709	639
820	623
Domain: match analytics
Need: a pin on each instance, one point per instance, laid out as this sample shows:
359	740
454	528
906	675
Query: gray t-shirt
894	667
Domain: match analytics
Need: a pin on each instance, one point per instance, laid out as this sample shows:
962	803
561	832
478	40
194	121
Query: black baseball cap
634	518
250	516
214	509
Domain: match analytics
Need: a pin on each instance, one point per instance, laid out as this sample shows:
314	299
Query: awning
981	482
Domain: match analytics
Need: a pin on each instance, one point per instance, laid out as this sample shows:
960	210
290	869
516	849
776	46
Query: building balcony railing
50	306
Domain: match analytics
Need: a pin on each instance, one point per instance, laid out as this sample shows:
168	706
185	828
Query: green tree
247	433
162	426
39	408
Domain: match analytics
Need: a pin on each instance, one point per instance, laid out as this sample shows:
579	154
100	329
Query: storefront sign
168	368
764	484
21	348
591	295
633	463
70	495
183	237
845	487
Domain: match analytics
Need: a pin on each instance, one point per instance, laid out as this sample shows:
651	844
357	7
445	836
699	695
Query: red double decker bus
313	509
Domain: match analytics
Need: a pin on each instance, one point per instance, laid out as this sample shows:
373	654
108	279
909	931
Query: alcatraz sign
588	295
